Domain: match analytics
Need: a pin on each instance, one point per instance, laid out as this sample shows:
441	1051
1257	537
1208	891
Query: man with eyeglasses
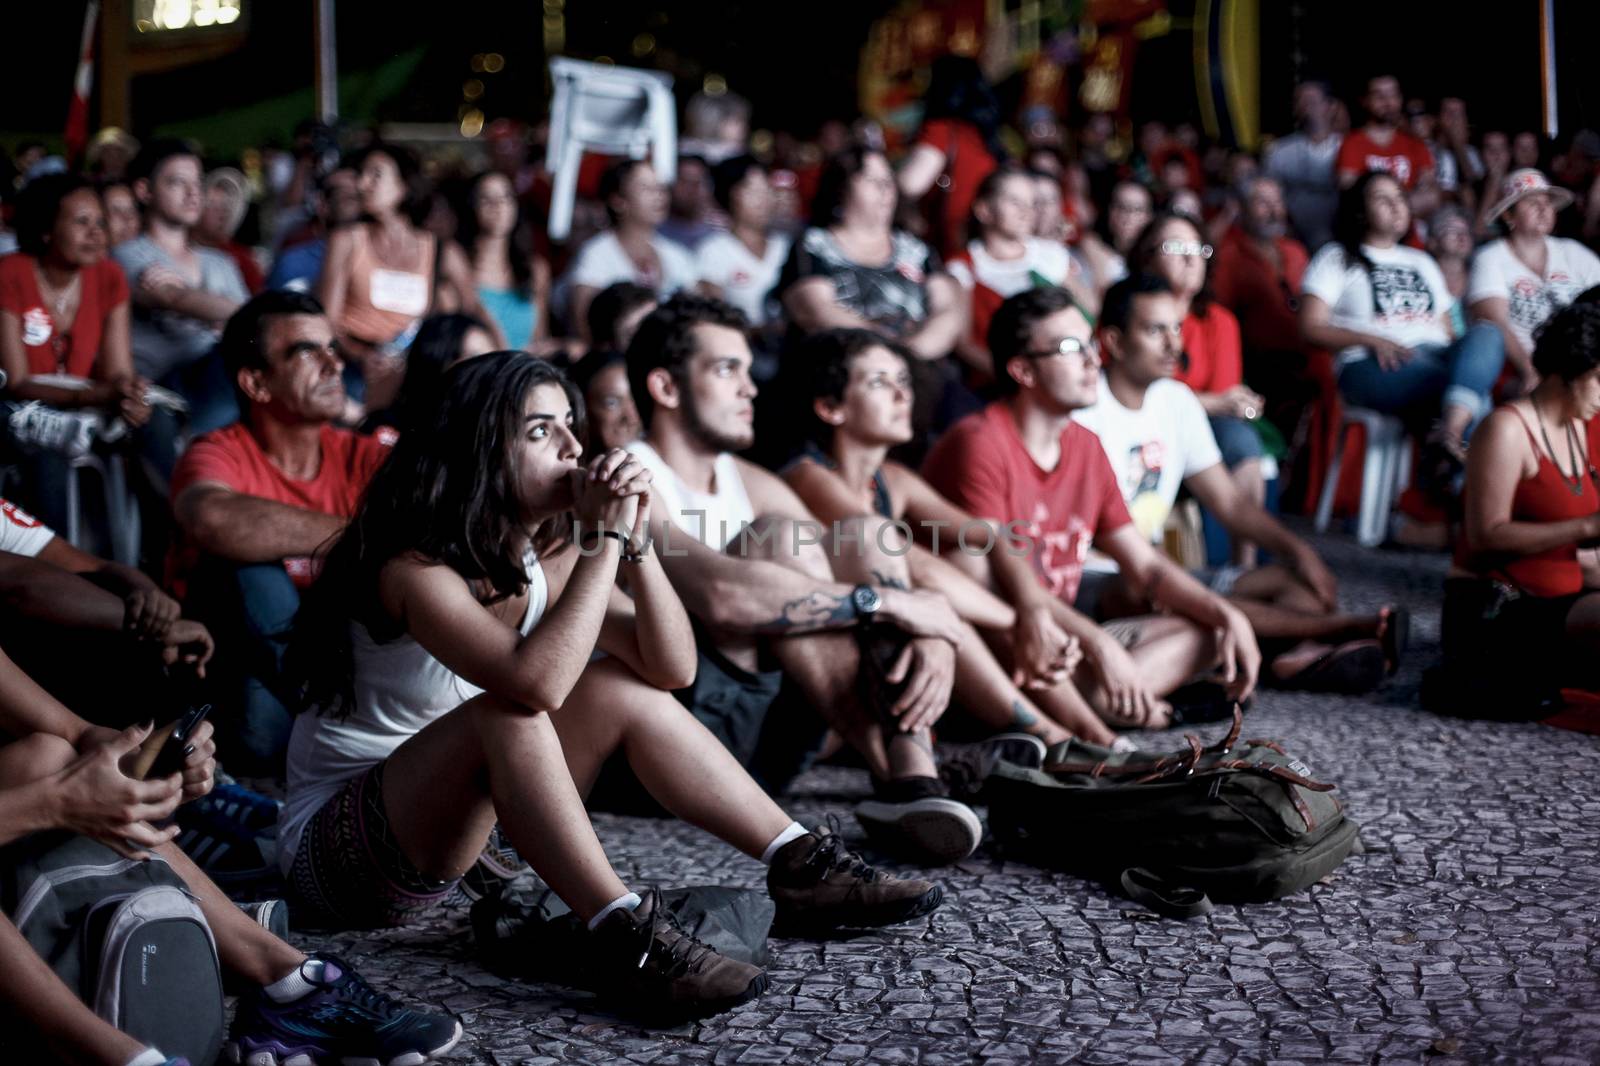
1025	466
255	501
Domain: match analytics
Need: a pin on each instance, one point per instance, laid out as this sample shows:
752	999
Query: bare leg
1168	652
1247	476
444	787
986	692
676	758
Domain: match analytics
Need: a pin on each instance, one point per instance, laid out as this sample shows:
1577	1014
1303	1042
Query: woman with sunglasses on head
1173	248
1524	590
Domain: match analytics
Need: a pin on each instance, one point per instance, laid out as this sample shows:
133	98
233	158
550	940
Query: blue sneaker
343	1019
179	1061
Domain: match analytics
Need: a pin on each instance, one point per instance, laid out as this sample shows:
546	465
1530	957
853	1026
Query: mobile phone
162	753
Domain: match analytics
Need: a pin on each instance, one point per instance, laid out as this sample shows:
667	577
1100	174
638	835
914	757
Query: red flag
77	135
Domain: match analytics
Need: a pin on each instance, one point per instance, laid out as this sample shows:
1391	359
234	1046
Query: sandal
1351	669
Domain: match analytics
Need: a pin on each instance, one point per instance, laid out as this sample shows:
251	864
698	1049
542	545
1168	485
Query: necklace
1574	480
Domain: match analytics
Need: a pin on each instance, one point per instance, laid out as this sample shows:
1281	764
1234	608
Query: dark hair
447	493
436	348
244	343
1568	344
1146	246
1013	322
592	365
612	180
989	187
665	341
958	90
827	206
1116	310
520	248
1352	220
727	175
827	357
608	307
152	156
39	206
417	201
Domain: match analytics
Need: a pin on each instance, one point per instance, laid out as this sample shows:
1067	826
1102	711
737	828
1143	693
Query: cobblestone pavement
1465	934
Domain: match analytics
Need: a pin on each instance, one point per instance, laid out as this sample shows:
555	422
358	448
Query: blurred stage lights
157	15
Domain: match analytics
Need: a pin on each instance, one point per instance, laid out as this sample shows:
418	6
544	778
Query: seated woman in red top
1174	248
1522	601
64	324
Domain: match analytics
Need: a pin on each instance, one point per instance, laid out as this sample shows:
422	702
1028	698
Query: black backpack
1236	822
126	935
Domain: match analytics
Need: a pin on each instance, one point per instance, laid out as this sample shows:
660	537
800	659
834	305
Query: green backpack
1236	822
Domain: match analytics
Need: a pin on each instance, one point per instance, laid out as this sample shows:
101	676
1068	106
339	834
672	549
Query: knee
865	543
796	544
35	756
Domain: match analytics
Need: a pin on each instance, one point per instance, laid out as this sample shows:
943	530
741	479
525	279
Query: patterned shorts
350	868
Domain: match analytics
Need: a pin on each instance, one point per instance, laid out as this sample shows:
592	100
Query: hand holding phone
164	750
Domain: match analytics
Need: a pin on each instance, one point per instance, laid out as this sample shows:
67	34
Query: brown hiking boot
819	885
647	964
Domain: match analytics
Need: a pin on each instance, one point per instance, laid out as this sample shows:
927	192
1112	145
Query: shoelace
832	854
351	987
684	955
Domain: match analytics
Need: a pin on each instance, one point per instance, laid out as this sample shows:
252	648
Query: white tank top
399	688
712	518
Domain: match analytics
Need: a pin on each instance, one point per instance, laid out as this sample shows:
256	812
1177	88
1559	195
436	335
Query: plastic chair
1385	471
122	510
612	110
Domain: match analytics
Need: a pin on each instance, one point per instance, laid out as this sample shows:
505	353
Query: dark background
798	62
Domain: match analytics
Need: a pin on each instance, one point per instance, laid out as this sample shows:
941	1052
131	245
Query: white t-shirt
723	260
1042	262
20	532
602	262
1569	269
713	518
399	689
1153	448
1403	300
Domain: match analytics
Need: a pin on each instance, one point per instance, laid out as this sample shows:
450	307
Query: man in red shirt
257	500
1383	145
1045	483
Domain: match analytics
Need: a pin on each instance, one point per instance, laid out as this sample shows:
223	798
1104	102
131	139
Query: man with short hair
1157	439
1043	482
257	500
338	203
1304	160
1384	145
775	595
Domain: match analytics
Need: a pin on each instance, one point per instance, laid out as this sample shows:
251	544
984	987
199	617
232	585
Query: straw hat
1520	184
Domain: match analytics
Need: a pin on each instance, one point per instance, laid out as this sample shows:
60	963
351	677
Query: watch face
867	600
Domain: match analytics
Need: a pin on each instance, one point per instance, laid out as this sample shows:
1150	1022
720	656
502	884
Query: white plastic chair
613	110
1385	472
122	509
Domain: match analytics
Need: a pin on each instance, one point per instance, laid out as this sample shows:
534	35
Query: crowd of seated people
466	533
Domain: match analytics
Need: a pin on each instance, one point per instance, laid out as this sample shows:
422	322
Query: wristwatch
867	603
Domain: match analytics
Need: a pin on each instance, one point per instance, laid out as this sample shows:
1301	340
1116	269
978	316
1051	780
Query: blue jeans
251	606
1236	439
1459	374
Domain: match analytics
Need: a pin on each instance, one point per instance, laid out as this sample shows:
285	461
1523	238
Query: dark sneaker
915	816
498	864
964	768
1352	668
342	1020
1200	702
645	963
821	885
271	915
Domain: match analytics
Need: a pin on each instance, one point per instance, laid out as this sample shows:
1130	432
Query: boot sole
934	828
233	1052
677	1013
856	916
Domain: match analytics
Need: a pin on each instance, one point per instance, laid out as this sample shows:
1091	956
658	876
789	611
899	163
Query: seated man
256	500
67	606
1155	434
1043	482
775	598
60	772
861	397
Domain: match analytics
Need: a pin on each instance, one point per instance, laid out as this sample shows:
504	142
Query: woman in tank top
1522	602
446	651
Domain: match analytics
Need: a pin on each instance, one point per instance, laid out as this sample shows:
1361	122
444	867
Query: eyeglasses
1070	346
1187	249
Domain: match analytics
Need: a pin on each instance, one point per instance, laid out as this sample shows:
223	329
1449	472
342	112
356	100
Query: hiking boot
917	817
645	962
964	768
819	885
341	1020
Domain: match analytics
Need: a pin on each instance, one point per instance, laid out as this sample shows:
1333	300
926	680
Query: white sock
299	980
148	1057
794	832
626	901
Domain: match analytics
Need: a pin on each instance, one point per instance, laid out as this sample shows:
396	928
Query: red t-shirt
49	351
1404	156
967	161
1211	349
982	466
232	457
1260	296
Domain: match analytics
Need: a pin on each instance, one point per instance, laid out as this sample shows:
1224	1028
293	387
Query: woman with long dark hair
442	341
512	278
1385	309
447	656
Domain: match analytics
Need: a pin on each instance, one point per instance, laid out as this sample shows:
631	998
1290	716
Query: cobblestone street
1467	933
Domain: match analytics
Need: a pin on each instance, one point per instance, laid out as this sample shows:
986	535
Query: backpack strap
1170	900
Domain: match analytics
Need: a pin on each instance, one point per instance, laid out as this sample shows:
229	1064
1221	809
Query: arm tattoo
889	581
1021	717
811	612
